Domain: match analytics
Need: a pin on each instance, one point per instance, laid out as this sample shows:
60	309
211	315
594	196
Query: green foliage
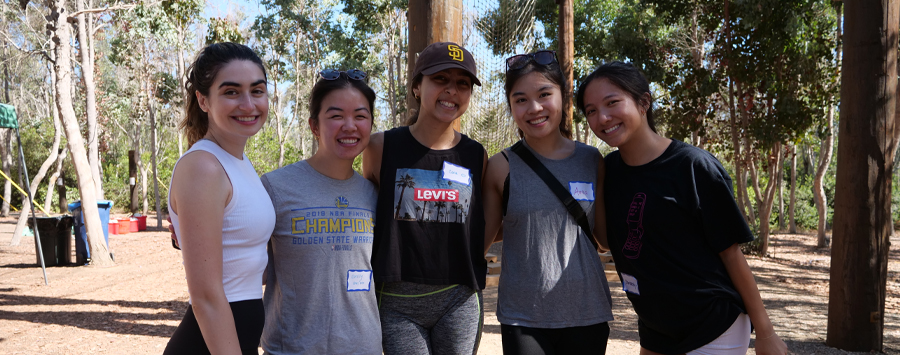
223	30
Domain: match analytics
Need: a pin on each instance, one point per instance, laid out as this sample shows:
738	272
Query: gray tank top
552	276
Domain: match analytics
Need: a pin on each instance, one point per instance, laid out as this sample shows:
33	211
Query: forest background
755	82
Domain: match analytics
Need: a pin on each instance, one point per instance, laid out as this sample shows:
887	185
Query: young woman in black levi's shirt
427	255
673	228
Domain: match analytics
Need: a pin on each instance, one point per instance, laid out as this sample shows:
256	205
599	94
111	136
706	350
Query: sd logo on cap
445	55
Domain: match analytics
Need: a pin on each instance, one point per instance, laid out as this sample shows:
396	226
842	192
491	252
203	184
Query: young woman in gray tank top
553	294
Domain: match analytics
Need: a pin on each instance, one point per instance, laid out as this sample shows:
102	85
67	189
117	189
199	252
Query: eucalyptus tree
182	14
868	135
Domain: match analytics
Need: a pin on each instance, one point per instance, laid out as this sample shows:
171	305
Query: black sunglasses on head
334	74
518	61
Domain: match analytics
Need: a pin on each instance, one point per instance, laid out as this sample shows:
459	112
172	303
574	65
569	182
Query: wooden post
132	181
566	54
431	21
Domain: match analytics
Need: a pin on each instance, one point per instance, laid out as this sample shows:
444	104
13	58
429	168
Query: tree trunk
182	78
5	151
51	183
792	221
736	157
567	55
780	182
36	182
818	189
86	186
87	73
153	146
868	139
765	208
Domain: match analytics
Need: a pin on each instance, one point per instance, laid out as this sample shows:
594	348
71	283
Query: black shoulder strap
558	189
505	203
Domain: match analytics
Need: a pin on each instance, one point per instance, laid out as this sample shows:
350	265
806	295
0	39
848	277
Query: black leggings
589	339
249	317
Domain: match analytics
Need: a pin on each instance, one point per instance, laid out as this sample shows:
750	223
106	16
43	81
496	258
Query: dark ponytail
200	76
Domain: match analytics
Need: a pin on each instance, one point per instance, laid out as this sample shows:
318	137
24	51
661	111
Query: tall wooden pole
867	144
431	21
566	54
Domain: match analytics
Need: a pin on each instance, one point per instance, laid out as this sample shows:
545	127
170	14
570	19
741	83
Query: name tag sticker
359	280
581	191
630	284
456	173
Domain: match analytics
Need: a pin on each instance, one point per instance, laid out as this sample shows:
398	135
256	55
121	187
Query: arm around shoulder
492	189
371	163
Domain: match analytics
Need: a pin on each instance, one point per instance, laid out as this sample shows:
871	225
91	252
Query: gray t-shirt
319	295
552	276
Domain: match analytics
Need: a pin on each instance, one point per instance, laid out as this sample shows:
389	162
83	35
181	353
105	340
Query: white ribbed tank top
246	228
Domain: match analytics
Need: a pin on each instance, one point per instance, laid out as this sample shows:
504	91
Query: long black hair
324	87
628	78
551	72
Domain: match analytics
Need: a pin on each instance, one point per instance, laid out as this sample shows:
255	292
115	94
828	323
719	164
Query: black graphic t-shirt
667	221
430	226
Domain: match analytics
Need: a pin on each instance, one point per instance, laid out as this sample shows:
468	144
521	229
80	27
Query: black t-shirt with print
667	221
429	220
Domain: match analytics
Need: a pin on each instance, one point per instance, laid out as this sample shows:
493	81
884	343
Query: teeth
613	128
245	118
539	120
447	104
348	140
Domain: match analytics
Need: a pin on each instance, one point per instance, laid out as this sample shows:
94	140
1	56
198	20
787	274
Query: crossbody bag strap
558	189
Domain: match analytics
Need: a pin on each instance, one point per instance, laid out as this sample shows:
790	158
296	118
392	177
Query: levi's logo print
338	227
635	220
424	195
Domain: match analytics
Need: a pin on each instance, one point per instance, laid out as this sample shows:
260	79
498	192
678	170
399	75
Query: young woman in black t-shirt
427	255
673	227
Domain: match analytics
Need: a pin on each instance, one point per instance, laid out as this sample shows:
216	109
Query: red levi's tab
446	195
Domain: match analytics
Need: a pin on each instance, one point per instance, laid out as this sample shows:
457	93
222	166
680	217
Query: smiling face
536	105
344	124
238	103
614	116
444	95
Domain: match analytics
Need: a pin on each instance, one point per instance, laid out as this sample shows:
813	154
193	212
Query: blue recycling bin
82	251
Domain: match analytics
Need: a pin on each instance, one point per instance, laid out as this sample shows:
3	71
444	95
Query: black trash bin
56	239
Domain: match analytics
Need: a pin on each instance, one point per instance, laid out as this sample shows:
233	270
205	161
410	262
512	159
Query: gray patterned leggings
418	319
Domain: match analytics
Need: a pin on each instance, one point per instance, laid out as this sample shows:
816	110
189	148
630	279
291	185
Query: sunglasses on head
519	61
334	74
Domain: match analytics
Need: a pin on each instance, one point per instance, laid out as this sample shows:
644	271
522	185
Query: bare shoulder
371	162
199	164
497	169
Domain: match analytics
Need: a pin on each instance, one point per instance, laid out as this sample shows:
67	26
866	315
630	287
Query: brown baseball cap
445	55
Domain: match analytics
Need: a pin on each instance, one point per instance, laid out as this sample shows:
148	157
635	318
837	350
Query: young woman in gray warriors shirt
553	294
319	297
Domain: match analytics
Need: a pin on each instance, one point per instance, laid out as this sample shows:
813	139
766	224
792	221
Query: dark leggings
249	317
589	339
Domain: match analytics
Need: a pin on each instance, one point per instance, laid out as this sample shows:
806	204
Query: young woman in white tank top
219	208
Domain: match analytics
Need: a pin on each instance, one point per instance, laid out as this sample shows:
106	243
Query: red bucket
113	228
141	223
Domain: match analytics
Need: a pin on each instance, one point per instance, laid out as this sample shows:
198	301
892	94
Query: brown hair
200	76
414	111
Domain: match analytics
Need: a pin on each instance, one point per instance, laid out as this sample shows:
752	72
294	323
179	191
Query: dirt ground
133	307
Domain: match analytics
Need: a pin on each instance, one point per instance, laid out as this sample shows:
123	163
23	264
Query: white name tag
456	173
581	191
629	284
359	280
